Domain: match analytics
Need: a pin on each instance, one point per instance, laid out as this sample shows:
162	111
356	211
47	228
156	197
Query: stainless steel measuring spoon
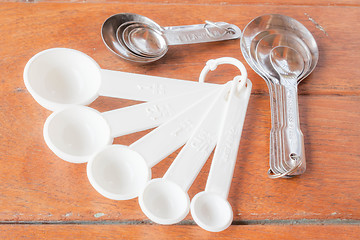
146	41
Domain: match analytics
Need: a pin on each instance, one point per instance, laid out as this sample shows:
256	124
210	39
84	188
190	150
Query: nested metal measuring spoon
210	208
143	40
165	200
287	161
120	172
273	23
60	77
76	133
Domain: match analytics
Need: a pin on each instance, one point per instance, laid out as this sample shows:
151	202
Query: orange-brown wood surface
38	188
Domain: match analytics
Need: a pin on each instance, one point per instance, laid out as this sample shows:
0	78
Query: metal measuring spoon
272	23
171	35
289	64
144	40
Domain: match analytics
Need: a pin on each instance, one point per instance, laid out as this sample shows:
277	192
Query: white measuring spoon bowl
76	133
59	77
210	208
120	172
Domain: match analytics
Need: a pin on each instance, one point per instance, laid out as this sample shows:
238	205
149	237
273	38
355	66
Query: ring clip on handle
212	64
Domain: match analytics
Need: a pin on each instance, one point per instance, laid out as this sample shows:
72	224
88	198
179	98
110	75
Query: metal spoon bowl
109	35
144	40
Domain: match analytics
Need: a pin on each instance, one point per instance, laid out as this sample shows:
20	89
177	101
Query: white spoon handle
196	151
145	88
171	135
148	115
223	163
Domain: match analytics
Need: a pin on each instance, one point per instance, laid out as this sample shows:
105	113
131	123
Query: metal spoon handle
294	151
276	139
200	33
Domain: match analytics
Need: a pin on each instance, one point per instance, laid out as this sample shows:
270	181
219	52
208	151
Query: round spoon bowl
211	212
76	133
144	40
60	76
118	172
272	23
287	62
164	202
112	35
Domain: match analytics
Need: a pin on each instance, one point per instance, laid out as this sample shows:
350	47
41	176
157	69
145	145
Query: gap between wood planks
191	222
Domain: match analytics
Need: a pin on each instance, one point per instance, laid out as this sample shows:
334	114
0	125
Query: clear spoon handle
200	33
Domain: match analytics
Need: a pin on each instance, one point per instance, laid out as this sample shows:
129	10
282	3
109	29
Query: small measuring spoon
75	133
165	200
119	172
289	64
142	40
148	32
210	208
59	77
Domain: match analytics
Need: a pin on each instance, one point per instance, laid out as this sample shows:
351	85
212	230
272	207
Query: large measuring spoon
60	77
210	208
146	41
76	133
276	23
119	172
165	200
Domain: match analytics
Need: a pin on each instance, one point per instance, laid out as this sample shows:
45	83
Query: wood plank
176	232
36	185
213	2
31	28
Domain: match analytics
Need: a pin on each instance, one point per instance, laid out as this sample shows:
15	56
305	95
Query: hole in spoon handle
199	33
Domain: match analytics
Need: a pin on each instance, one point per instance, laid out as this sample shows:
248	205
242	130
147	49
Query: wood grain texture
38	187
211	2
176	232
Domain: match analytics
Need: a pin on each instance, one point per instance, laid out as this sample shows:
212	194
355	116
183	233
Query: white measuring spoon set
165	200
184	112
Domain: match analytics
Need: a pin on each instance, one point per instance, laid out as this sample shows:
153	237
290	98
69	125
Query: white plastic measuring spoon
120	172
76	133
165	200
59	77
210	208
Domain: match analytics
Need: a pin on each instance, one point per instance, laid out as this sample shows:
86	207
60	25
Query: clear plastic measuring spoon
59	77
120	172
210	208
165	200
77	132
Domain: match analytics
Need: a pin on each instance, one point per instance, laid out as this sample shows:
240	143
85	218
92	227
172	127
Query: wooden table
43	197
